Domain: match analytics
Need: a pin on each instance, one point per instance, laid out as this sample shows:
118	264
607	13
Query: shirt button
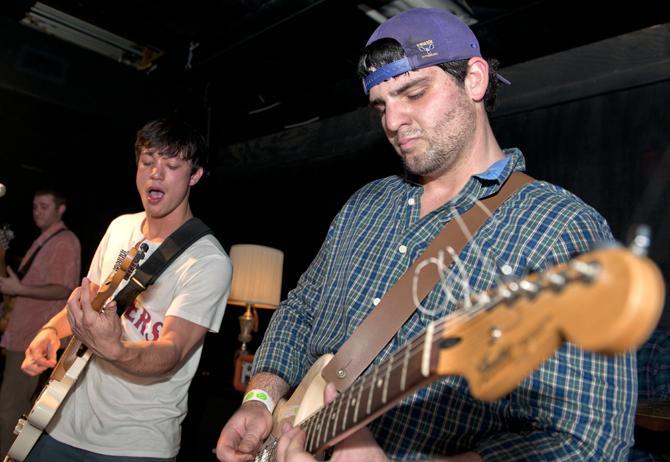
402	249
376	301
411	201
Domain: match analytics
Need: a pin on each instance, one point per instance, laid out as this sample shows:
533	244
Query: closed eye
416	95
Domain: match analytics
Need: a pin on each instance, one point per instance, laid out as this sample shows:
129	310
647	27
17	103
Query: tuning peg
557	280
529	288
588	271
639	244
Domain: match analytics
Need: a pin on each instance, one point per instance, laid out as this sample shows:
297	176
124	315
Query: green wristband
262	396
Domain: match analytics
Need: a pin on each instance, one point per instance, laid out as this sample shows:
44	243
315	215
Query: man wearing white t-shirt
129	403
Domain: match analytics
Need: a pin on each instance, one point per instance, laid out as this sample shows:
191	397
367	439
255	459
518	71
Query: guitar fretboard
376	391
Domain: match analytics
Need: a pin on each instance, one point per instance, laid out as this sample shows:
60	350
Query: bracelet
260	395
49	327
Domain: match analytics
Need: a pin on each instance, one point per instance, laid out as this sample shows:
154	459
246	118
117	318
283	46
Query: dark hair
387	50
59	197
172	137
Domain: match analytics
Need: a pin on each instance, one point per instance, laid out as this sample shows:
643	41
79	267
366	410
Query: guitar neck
372	395
75	348
408	369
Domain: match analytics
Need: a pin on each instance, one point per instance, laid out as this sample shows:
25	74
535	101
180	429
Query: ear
61	209
195	176
477	78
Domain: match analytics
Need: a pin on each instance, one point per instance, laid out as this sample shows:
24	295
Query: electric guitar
607	301
6	235
74	359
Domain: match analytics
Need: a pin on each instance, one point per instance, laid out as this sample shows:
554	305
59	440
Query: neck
156	229
51	226
476	157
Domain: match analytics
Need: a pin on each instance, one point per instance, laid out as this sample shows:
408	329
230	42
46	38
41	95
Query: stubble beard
446	142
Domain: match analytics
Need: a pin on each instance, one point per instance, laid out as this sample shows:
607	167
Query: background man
47	274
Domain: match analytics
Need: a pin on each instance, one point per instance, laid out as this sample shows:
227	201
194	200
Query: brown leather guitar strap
397	306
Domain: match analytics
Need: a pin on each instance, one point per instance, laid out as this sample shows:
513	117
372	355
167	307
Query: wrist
118	353
261	397
23	290
49	328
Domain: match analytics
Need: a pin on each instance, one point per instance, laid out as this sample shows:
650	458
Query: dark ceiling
265	65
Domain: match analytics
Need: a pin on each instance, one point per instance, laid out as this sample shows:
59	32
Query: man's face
46	212
427	117
164	182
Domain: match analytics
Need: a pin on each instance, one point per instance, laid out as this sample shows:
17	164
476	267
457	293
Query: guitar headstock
606	301
127	261
6	235
125	266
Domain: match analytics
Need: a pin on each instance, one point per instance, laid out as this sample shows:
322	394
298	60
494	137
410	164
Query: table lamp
257	273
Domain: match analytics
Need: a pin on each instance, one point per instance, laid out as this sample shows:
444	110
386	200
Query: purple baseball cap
429	36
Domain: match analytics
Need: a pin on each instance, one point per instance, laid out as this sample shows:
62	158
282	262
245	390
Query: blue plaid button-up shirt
577	406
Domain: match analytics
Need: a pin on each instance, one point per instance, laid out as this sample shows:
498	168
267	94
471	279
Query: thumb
110	309
11	272
329	393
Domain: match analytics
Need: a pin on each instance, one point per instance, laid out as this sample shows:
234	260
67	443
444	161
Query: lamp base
248	324
243	361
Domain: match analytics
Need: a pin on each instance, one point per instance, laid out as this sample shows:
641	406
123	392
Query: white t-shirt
112	412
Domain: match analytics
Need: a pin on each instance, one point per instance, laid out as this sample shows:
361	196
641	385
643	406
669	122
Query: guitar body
72	363
7	306
65	375
306	400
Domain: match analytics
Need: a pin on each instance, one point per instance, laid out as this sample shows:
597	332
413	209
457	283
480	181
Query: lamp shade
257	273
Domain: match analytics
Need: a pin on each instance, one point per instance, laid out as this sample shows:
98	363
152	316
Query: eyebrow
401	89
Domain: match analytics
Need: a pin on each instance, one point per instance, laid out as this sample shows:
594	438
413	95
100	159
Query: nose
395	116
157	170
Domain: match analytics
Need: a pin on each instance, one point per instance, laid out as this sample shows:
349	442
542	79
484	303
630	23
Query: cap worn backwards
429	36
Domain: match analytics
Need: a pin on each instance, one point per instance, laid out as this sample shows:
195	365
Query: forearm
146	359
59	324
43	292
274	385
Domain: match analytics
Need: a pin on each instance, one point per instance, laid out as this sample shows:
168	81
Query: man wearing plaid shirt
425	76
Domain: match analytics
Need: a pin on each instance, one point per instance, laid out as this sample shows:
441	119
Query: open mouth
155	195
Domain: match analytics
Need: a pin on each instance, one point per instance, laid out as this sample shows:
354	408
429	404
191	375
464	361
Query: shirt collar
494	171
503	168
491	180
51	230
